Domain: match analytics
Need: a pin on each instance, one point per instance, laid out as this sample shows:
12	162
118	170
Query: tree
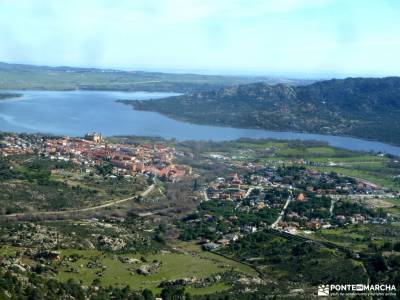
96	282
173	293
147	294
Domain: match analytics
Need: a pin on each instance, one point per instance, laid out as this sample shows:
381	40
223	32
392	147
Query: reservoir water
75	113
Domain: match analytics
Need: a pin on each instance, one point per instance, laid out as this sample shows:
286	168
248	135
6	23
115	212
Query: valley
244	217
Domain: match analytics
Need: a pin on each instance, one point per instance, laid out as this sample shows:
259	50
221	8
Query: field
186	261
181	264
378	169
365	238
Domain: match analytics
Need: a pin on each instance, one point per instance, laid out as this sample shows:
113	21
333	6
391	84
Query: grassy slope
174	266
191	262
359	237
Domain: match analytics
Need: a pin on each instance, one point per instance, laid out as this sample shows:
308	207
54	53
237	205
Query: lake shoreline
75	113
185	120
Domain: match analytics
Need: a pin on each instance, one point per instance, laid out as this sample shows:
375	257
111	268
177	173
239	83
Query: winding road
85	209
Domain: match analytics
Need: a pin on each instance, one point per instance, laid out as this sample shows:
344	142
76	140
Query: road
66	212
273	225
155	212
205	196
248	192
332	207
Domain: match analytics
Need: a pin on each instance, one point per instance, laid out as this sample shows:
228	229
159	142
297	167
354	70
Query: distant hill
361	107
24	77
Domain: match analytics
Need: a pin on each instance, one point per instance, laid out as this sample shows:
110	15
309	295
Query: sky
302	38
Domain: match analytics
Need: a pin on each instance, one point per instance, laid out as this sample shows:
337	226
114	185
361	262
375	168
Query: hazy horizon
237	72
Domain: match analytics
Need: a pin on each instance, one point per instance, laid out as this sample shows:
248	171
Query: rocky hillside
361	107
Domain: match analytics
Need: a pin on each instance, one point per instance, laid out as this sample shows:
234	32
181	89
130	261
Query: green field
377	169
173	266
360	237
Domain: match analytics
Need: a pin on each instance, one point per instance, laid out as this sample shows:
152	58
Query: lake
75	113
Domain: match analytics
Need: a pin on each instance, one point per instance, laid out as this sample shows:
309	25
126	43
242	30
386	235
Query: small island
4	96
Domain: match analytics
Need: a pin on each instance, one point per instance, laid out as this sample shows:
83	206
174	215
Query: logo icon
359	287
323	290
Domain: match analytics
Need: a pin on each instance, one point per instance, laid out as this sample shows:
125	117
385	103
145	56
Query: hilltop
361	107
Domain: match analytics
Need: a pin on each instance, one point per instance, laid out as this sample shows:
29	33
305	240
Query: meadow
184	262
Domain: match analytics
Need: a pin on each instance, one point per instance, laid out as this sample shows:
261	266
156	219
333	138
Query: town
302	200
92	151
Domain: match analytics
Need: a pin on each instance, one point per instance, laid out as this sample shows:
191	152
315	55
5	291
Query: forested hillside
361	107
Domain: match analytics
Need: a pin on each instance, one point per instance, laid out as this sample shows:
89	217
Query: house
231	236
210	246
300	197
294	224
249	229
291	230
341	218
224	196
260	205
293	214
223	242
359	218
313	225
94	137
390	253
282	224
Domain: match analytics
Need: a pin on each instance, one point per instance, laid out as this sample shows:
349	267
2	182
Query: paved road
248	192
65	212
332	207
205	196
273	225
